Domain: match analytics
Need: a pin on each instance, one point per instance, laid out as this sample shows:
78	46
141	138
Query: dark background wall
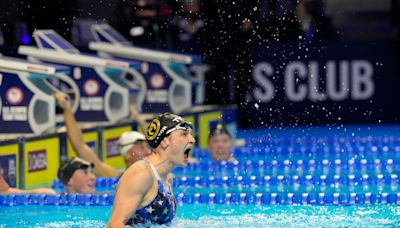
222	41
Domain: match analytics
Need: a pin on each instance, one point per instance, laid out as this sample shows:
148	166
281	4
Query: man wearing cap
132	145
77	176
144	193
220	144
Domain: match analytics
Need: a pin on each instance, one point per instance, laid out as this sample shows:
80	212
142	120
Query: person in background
6	189
228	40
144	193
186	26
132	145
220	144
144	22
77	176
314	24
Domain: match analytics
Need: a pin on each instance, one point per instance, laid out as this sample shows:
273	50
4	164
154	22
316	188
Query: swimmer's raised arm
131	192
76	138
139	118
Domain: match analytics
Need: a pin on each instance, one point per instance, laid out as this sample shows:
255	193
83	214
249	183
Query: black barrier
324	83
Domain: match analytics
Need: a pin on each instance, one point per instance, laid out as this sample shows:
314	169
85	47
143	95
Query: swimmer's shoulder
139	169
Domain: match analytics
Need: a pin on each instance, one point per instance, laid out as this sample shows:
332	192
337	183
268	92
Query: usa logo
14	95
91	87
157	81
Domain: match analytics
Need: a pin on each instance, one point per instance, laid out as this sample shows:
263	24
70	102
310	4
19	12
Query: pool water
321	177
203	215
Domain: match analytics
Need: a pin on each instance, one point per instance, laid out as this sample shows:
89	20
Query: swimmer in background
220	144
6	189
77	176
144	193
132	145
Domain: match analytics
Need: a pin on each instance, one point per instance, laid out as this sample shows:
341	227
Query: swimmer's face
138	151
180	143
220	147
83	180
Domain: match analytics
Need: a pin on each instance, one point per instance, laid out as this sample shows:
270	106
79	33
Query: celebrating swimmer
144	193
220	144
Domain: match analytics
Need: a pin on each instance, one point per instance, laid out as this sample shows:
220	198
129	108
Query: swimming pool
212	216
341	177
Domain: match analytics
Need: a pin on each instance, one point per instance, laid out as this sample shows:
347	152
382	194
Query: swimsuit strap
153	169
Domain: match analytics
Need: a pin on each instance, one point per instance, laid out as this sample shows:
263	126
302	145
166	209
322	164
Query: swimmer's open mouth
187	152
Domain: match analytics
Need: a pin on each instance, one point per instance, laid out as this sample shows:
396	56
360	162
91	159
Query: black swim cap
218	129
162	126
69	166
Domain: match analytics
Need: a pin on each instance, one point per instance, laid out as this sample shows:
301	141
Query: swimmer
220	144
144	193
6	189
77	176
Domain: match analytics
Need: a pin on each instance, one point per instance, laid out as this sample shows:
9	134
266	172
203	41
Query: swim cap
162	126
127	139
218	129
69	166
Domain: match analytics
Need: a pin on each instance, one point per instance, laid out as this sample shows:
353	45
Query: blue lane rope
266	180
57	200
311	149
315	164
269	180
339	199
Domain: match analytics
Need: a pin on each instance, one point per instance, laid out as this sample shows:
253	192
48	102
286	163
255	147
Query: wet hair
218	129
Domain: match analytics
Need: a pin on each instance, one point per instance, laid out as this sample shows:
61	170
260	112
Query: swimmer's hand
62	100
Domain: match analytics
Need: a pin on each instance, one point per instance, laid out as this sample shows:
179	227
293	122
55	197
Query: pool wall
29	162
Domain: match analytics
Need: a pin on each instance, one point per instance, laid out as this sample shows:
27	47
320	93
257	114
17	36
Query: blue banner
324	83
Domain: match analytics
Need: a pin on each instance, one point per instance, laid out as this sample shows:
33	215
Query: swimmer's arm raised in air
76	138
139	118
132	189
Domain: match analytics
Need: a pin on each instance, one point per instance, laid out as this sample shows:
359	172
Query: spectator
145	20
77	176
278	21
228	47
131	144
314	24
186	25
220	144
